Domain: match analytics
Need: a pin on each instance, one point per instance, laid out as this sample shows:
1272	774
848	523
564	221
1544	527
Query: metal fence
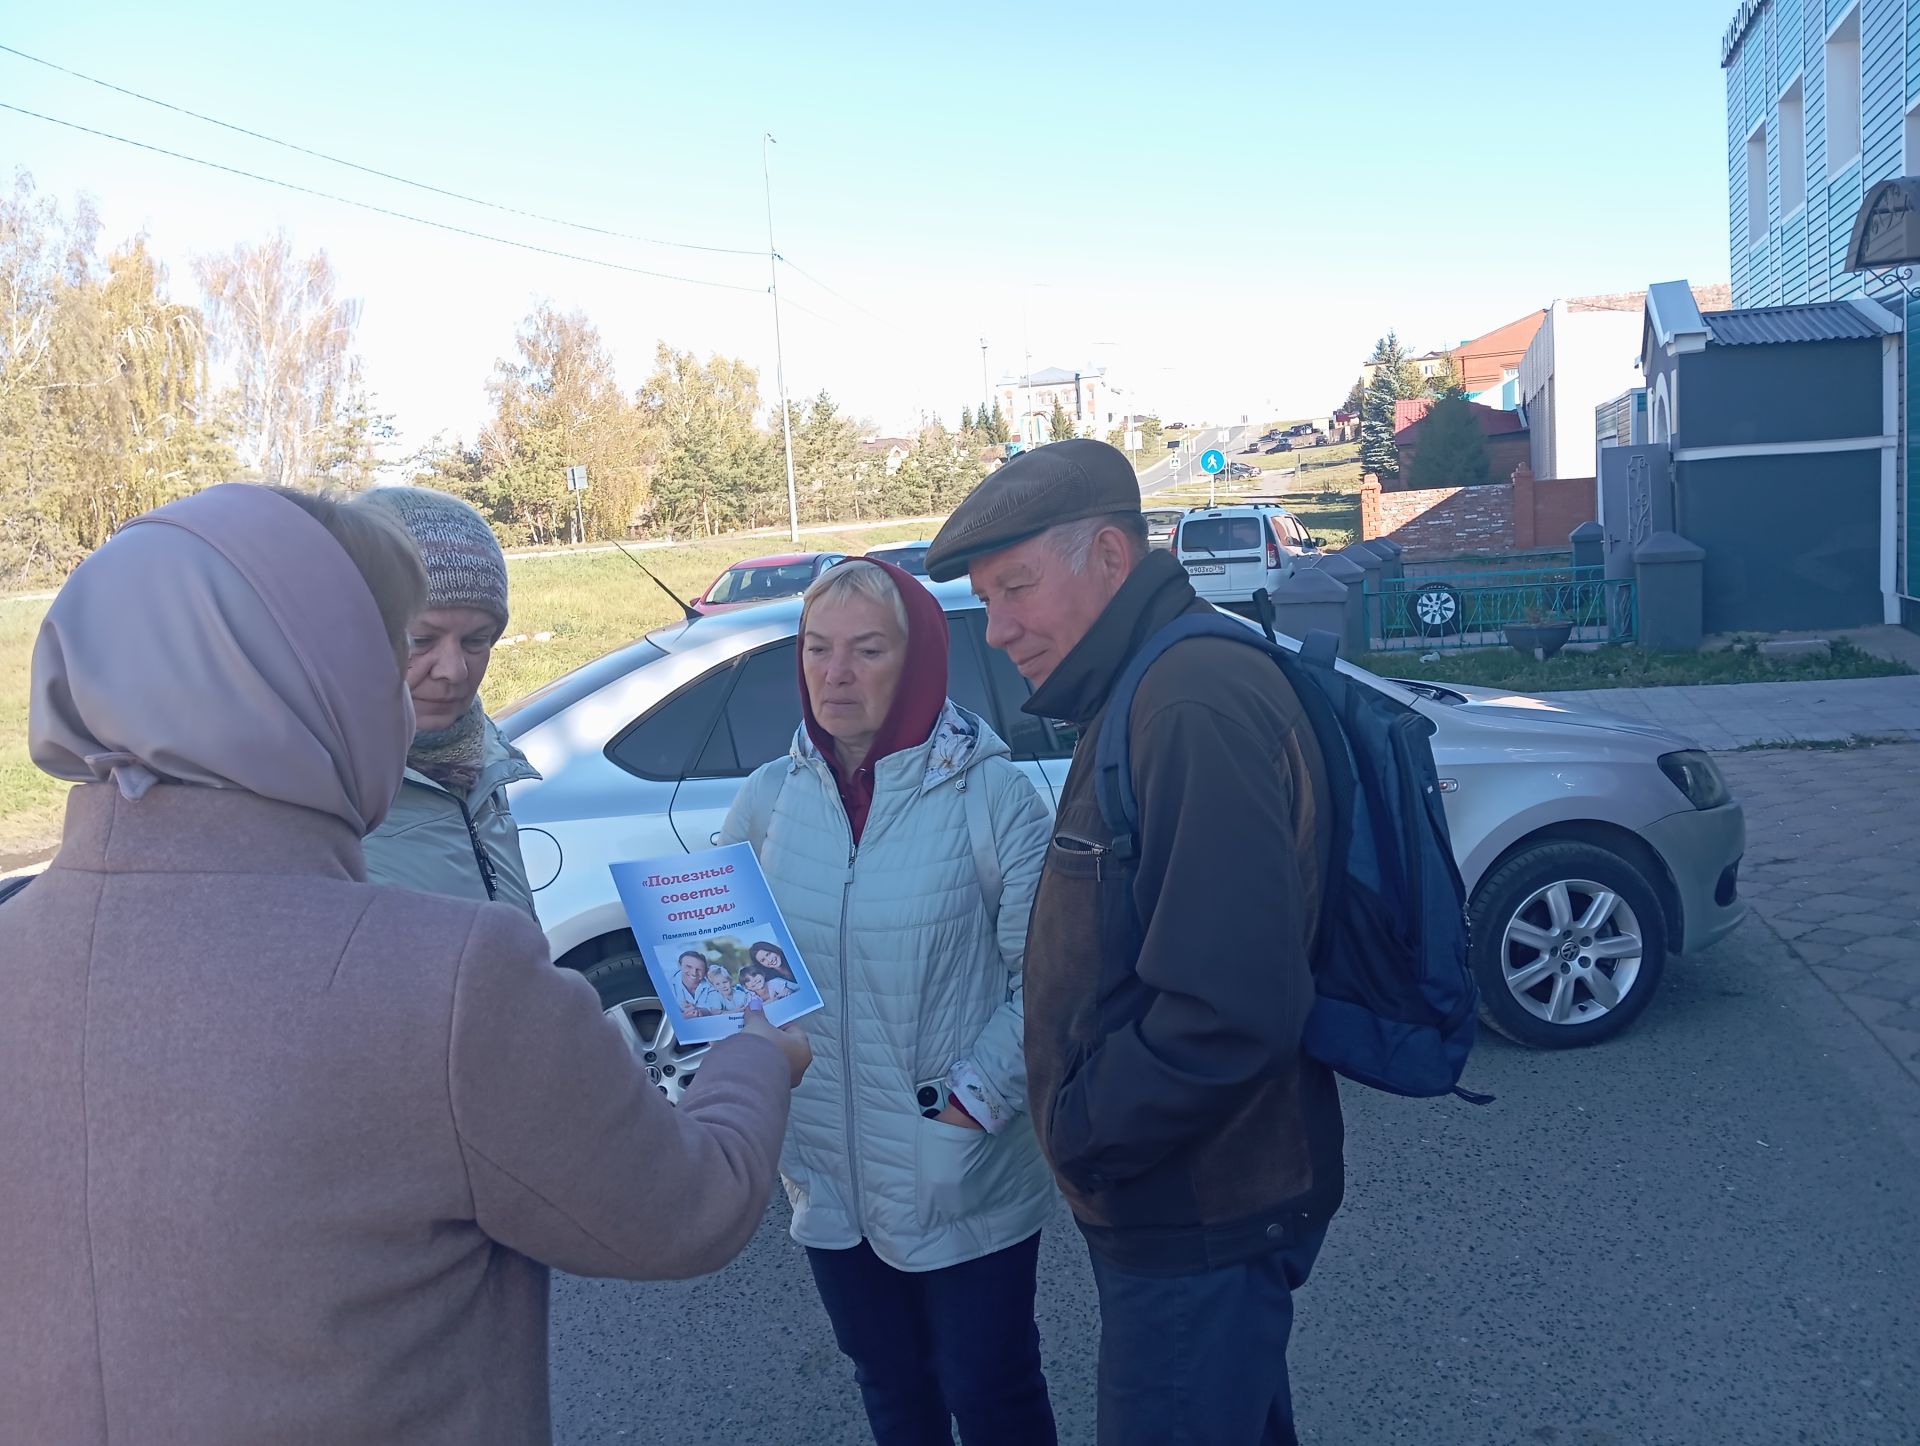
1473	609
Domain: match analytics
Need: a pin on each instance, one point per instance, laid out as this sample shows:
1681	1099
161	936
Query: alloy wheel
649	1034
1572	952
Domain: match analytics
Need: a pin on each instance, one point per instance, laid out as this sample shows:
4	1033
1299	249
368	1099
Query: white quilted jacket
919	987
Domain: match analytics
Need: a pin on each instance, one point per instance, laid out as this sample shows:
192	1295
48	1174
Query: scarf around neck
453	757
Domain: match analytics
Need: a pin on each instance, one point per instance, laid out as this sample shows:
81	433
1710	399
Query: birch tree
285	337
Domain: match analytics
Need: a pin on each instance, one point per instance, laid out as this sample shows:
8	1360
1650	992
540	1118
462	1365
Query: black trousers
936	1348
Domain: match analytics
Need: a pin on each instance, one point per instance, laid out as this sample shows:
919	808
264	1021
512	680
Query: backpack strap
986	861
1113	757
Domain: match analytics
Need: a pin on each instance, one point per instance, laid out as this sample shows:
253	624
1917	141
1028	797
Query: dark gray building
1779	430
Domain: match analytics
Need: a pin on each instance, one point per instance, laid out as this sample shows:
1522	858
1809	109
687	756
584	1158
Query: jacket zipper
487	876
1074	844
846	1039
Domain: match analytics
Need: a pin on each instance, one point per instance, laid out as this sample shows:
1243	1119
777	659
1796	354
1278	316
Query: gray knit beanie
465	567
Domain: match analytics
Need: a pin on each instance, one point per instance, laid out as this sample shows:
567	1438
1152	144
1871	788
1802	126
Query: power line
789	302
847	300
384	210
372	171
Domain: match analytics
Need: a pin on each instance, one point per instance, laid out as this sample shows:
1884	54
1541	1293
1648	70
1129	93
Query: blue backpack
1395	1004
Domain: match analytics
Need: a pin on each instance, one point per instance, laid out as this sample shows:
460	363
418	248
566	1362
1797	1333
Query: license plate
1205	569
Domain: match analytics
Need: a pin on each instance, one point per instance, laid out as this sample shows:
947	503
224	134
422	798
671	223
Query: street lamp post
779	356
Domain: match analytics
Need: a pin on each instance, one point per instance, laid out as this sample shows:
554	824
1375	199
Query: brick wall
1441	521
1461	521
1508	451
1545	513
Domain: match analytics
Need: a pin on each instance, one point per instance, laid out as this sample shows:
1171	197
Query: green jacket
433	840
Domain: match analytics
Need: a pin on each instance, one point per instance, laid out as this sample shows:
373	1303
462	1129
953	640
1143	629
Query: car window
1220	534
760	717
907	559
660	743
754	584
966	677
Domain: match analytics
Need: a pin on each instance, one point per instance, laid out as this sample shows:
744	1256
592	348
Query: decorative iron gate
1473	609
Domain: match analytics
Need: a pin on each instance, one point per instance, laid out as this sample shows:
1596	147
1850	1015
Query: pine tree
1396	377
1452	450
1059	424
1445	382
966	419
1378	454
998	430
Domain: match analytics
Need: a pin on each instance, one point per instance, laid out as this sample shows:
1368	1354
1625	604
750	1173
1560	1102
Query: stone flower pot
1538	640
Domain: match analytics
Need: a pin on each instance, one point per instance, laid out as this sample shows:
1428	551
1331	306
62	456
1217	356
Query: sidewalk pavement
1833	840
1729	716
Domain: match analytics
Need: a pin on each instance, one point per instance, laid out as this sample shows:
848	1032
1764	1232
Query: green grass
1626	667
1849	744
591	603
30	802
1310	460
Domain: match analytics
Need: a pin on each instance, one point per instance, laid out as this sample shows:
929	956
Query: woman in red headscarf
903	847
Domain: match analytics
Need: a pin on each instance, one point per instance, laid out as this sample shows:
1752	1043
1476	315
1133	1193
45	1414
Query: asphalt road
1702	1233
1229	440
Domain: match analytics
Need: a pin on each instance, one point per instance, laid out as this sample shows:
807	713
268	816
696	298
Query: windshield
756	584
1221	534
907	559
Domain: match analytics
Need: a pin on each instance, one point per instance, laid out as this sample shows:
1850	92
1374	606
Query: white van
1230	553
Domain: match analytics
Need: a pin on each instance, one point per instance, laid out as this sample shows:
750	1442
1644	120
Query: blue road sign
1213	461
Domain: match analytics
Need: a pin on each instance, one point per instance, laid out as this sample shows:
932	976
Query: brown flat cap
1060	482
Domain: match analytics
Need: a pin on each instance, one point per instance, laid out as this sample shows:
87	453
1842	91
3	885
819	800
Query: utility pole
779	357
986	391
1026	392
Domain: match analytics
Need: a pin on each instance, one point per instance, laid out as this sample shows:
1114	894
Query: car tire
627	995
1433	609
1569	943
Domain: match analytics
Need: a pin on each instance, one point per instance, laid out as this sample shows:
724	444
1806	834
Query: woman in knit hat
449	831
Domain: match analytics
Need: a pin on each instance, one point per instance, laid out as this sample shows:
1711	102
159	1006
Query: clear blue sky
1223	202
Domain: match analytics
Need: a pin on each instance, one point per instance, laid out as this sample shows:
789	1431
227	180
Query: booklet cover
714	942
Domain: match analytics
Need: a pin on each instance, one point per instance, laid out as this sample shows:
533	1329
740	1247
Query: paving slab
1833	847
1729	716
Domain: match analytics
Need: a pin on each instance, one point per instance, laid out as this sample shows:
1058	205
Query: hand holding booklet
714	943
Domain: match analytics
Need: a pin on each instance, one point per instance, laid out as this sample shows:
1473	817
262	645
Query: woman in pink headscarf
287	1155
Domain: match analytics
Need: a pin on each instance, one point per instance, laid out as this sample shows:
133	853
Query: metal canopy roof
1819	321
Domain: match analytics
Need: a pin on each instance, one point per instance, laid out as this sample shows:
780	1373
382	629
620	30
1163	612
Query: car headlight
1697	776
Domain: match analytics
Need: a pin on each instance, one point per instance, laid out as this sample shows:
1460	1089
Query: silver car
1592	847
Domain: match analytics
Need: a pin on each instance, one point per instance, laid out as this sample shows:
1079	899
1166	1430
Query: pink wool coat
287	1156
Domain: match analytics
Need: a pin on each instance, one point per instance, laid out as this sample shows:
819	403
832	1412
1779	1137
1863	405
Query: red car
761	579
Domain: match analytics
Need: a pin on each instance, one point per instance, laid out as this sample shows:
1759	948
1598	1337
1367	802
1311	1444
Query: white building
1586	351
1027	403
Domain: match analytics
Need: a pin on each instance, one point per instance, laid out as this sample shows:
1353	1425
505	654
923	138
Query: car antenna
684	606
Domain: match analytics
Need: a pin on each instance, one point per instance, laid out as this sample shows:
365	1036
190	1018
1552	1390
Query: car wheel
1569	943
1434	610
631	1002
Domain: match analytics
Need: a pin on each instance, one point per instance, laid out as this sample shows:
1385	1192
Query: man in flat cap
1199	1147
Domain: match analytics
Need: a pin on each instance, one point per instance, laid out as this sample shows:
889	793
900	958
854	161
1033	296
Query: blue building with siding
1823	102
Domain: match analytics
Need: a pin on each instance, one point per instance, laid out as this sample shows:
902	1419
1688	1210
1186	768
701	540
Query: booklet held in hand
713	940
